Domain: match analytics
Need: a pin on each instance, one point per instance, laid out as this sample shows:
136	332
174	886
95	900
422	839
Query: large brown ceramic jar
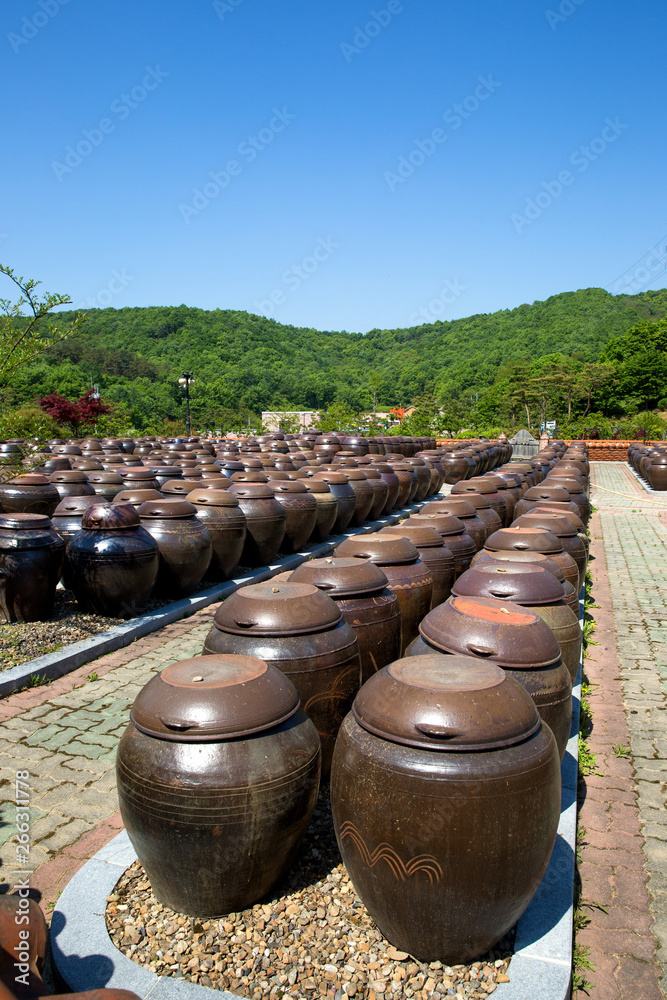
466	513
218	774
220	513
433	552
407	575
31	559
139	478
575	489
165	473
478	484
436	749
326	509
300	630
184	544
29	494
111	565
105	484
71	483
457	467
513	638
265	522
364	496
340	486
67	516
535	540
483	509
423	474
538	496
535	588
508	492
454	536
389	477
300	506
360	590
566	532
518	557
408	482
380	493
137	497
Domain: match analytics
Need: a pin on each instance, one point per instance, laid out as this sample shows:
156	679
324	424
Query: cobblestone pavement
624	856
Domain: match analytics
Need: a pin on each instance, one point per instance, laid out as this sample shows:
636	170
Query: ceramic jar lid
105	477
500	631
31	479
211	698
167	509
75	505
118	517
569	514
277	609
557	524
446	703
344	577
288	486
24	522
316	486
421	537
518	582
252	491
333	478
384	550
478	484
137	496
546	492
444	524
68	476
455	507
523	539
212	498
180	487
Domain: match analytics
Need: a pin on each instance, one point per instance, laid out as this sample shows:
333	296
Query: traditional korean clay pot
535	540
575	489
518	557
423	478
483	509
184	544
434	747
466	513
515	639
380	493
139	478
538	496
457	467
507	492
137	497
300	630
360	590
71	483
389	477
29	494
165	473
326	509
107	485
300	506
66	519
364	496
564	530
266	521
220	513
406	574
111	565
433	552
454	536
407	480
218	756
340	486
535	588
31	559
478	484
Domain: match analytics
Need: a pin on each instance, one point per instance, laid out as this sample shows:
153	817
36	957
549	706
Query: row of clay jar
445	778
650	462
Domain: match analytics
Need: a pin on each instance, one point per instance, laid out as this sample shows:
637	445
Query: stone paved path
624	855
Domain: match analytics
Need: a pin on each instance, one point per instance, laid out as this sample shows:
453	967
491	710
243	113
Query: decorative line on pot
384	852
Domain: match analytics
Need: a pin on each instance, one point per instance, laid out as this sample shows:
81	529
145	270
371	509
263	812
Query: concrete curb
64	661
541	967
661	494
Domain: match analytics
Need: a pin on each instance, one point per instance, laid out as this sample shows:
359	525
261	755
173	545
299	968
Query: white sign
551	425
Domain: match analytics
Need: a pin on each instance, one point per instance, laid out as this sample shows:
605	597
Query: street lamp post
185	381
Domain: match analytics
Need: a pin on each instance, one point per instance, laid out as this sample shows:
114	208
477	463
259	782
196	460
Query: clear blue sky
216	154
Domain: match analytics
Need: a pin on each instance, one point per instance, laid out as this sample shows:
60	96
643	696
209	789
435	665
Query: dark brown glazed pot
218	774
457	467
29	494
389	477
407	575
300	506
515	556
380	493
71	483
364	496
340	486
483	509
137	497
535	540
575	489
183	542
265	522
407	482
538	496
220	513
512	637
164	473
67	516
111	565
300	630
434	747
454	535
535	588
478	484
178	489
139	478
360	590
510	494
105	484
423	478
326	510
433	552
466	513
566	532
31	560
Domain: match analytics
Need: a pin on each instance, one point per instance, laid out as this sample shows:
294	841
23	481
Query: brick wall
598	451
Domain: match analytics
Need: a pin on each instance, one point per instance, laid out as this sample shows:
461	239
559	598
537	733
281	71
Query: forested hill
242	361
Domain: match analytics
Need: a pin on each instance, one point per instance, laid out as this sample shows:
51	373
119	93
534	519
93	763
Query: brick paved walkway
65	735
624	854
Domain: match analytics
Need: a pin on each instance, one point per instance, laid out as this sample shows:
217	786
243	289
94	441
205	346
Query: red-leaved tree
83	413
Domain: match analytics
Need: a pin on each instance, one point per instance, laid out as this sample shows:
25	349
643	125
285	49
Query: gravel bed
312	938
